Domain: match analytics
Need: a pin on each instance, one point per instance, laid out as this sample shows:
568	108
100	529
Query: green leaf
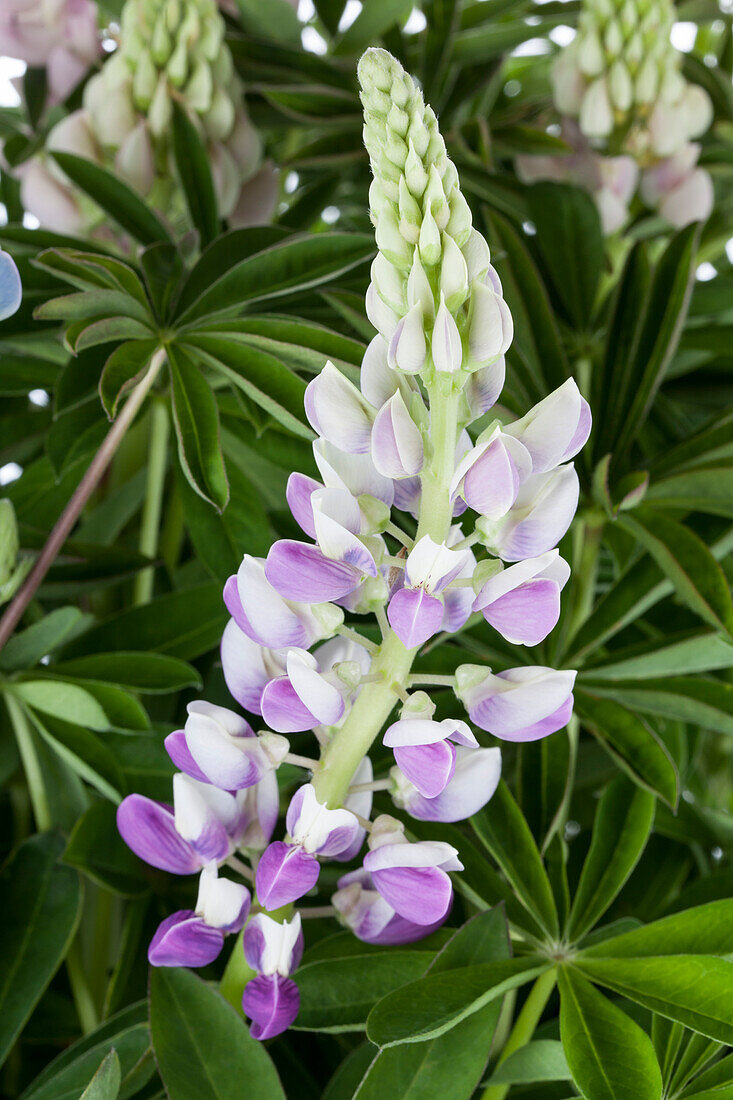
296	264
105	1085
631	743
715	1083
84	752
693	651
703	702
194	174
202	1047
609	1055
66	1076
696	990
261	376
705	489
428	1008
371	22
685	559
503	829
151	673
542	782
25	649
658	336
184	624
570	239
536	351
196	420
537	1062
222	255
337	994
123	370
703	929
96	848
38	918
620	831
61	700
278	21
118	200
452	1064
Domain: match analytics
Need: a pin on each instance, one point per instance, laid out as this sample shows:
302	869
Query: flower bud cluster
169	51
628	109
393	446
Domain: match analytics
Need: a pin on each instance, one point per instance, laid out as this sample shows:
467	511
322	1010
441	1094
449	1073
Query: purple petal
183	939
283	710
272	1003
421	895
526	615
147	828
553	722
475	779
429	767
177	748
302	572
284	874
298	494
492	483
414	616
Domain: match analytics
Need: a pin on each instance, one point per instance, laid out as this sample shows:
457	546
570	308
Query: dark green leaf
123	370
703	929
371	22
96	848
147	672
25	649
117	199
631	742
704	702
704	489
196	419
620	830
337	994
571	242
503	829
452	1064
686	560
609	1055
194	173
202	1047
38	918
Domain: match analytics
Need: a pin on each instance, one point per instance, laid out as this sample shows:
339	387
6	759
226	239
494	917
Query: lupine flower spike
629	114
399	444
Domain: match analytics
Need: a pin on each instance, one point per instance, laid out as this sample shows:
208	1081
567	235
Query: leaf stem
153	506
525	1026
82	994
79	498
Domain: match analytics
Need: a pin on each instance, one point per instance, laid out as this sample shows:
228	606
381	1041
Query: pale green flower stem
524	1026
393	661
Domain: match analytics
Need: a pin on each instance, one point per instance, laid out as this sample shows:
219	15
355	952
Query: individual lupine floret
195	937
425	751
225	749
62	36
523	601
475	778
416	610
274	949
288	870
412	878
538	519
521	704
362	909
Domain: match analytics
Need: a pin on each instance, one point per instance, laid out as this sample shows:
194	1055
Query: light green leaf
696	990
151	673
66	701
703	929
26	648
537	1062
105	1085
704	702
609	1055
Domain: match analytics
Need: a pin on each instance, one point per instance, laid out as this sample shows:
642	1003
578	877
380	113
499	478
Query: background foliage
607	847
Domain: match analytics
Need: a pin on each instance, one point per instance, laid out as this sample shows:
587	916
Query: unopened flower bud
445	345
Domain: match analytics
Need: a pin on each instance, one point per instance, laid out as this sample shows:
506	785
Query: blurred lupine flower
60	35
288	652
274	950
626	103
11	291
168	51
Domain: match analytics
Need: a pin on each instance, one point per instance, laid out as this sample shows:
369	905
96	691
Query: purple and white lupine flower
274	949
293	652
288	870
521	704
475	777
362	909
412	878
11	291
196	937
